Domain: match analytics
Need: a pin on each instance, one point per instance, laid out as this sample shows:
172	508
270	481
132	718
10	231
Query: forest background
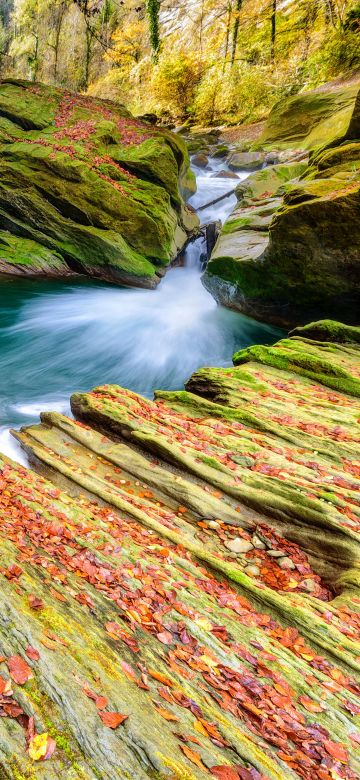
201	61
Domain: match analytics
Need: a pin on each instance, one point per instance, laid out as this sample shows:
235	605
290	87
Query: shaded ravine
56	337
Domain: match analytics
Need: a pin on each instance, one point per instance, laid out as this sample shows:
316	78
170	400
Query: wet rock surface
147	647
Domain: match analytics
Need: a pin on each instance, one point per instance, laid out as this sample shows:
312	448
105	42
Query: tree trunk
235	30
35	59
227	38
57	37
153	9
89	40
273	30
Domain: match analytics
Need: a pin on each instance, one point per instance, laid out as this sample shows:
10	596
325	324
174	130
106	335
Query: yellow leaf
200	728
38	747
204	623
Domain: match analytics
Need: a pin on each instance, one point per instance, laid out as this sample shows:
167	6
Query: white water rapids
57	338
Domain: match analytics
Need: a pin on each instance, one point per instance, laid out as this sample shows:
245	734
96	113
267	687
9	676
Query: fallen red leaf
19	670
112	719
336	751
32	653
165	637
35	602
224	772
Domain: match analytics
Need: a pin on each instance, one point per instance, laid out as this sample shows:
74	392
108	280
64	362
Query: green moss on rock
90	183
310	119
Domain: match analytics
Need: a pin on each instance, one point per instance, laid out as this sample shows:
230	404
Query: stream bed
60	337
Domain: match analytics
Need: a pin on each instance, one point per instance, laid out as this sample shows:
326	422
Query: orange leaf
165	713
101	702
160	677
165	637
19	670
193	756
310	704
336	751
112	719
224	773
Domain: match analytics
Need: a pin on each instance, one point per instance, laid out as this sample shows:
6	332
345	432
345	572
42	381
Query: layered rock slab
85	188
195	568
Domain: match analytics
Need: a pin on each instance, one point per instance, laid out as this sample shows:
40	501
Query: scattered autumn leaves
151	599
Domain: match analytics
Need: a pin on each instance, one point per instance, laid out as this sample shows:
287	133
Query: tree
25	43
273	30
235	30
58	10
153	10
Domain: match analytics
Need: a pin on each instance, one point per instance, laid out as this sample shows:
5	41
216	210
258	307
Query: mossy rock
82	178
329	330
267	181
309	265
121	597
310	119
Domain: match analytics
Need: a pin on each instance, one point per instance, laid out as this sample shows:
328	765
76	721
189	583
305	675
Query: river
60	337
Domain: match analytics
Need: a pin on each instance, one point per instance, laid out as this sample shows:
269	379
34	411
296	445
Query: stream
60	337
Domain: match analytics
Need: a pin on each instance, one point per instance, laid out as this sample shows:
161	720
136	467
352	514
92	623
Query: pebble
258	543
213	524
239	545
275	553
308	585
286	563
252	571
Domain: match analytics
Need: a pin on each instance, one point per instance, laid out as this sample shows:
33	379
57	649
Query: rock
286	563
87	188
182	129
152	119
268	181
238	545
310	119
300	265
257	543
272	158
222	150
252	571
276	553
213	524
196	146
225	175
200	160
126	584
246	160
308	584
328	330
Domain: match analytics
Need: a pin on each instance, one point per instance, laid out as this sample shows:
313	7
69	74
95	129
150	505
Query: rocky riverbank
86	188
180	579
291	249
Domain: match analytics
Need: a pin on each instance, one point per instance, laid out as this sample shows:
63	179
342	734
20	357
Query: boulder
225	175
86	188
310	119
267	182
222	150
246	161
200	160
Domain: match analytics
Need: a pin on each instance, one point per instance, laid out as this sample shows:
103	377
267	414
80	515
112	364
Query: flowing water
60	337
